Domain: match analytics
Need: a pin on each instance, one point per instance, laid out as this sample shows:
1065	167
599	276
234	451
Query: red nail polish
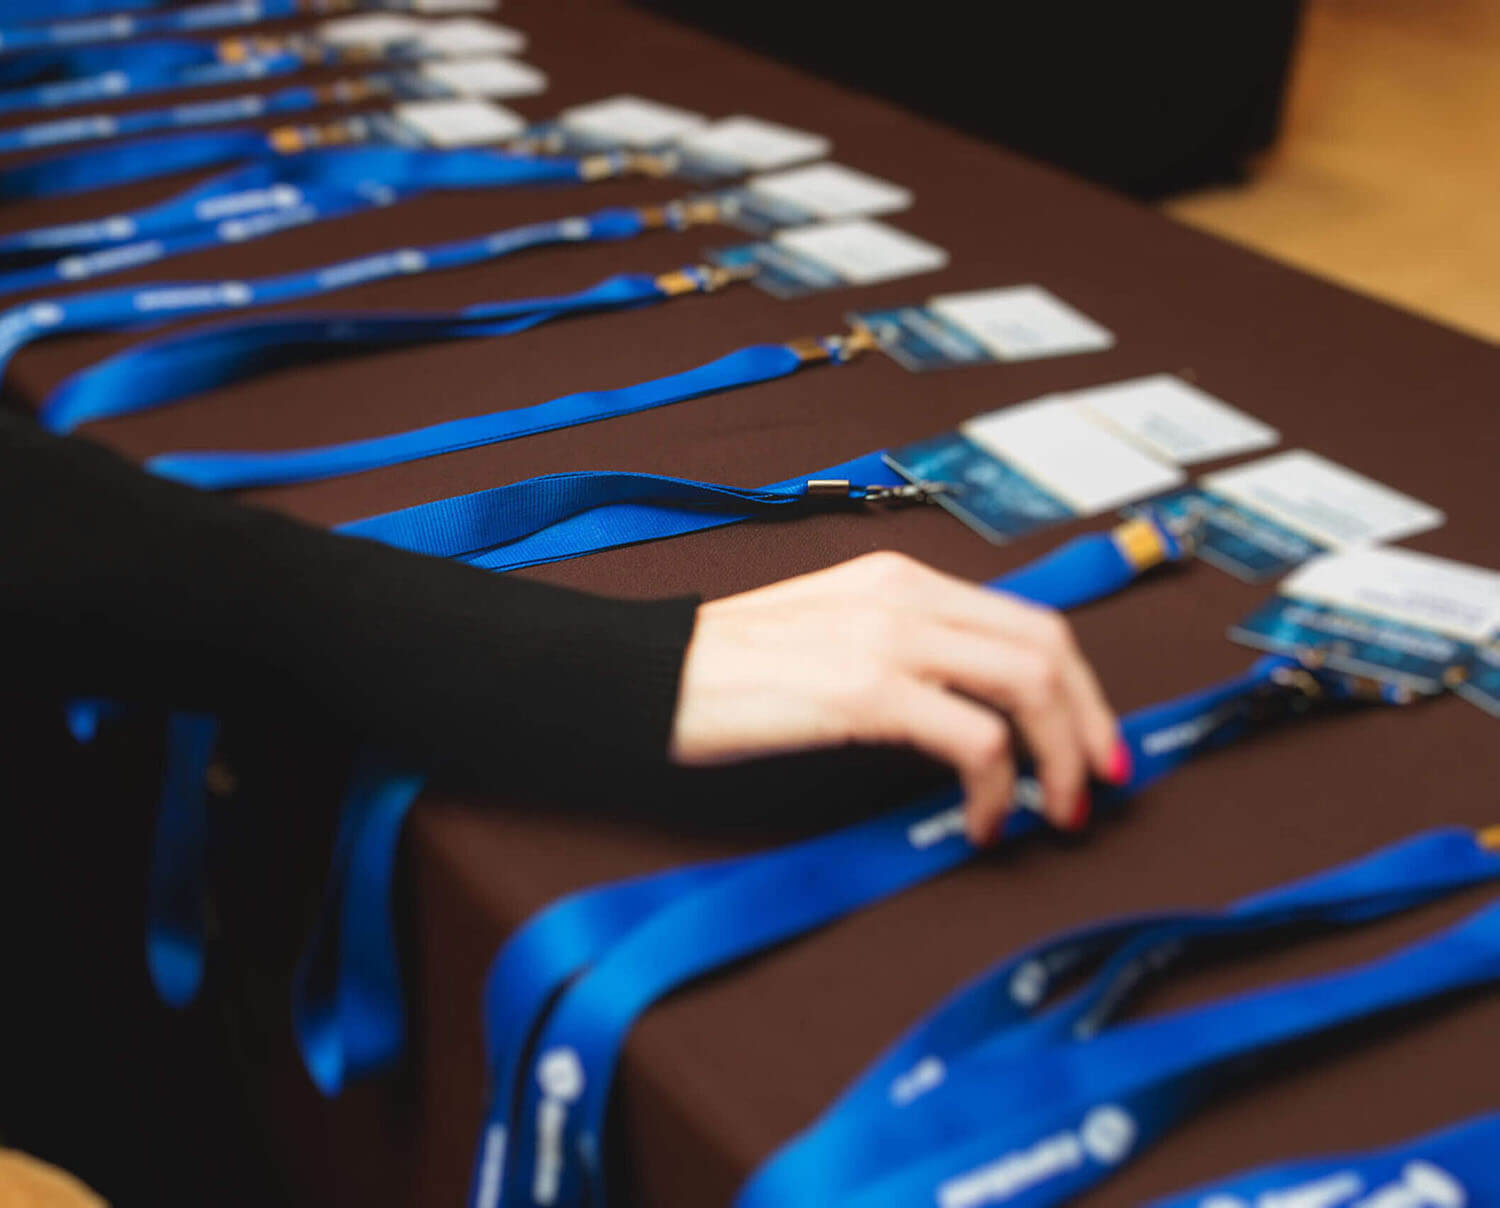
1081	811
1121	765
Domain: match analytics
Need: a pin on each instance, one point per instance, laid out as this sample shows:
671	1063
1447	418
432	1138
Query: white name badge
832	191
464	37
498	78
752	144
1437	594
1176	420
465	122
443	8
631	121
370	29
863	252
1323	501
1086	466
1021	322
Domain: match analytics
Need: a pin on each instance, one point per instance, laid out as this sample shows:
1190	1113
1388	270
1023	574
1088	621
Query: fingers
971	739
1040	629
884	650
1031	688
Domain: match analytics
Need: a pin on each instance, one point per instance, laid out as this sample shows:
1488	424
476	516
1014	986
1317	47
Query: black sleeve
117	584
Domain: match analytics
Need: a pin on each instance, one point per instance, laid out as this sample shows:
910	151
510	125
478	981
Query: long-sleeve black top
117	584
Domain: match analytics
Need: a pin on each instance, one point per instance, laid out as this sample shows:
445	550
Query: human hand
885	650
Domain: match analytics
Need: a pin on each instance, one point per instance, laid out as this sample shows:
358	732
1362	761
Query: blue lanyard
1044	1126
1084	569
77	31
756	363
560	516
176	887
1448	1169
92	127
158	372
325	183
1001	1013
303	149
20	12
558	1135
133	306
102	73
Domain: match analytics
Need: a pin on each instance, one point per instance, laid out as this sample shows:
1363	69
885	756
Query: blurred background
1356	139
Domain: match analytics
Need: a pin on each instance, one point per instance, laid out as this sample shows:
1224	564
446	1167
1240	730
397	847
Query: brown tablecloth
716	1078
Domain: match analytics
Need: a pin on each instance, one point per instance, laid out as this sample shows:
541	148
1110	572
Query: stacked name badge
1064	456
1410	620
1262	519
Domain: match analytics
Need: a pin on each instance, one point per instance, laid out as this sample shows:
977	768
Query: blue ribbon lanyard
154	373
560	516
1447	1169
134	306
1001	1013
1086	568
211	470
1045	1126
93	127
176	895
116	27
25	12
559	1125
55	78
319	184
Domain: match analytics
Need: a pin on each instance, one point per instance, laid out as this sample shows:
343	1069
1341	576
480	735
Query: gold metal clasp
1142	542
679	215
906	492
859	338
623	163
704	278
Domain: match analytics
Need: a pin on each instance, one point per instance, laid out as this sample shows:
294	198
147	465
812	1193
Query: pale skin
883	650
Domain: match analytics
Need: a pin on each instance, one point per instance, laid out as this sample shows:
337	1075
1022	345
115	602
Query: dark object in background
1150	98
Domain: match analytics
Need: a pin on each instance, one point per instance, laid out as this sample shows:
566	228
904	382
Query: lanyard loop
228	471
1445	1169
114	309
154	373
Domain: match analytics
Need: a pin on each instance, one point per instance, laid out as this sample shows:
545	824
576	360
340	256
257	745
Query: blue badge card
829	255
1175	419
1262	519
1408	619
622	123
814	193
1010	472
495	78
1481	683
733	146
447	122
1016	323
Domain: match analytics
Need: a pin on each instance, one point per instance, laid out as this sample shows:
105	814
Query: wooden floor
1387	176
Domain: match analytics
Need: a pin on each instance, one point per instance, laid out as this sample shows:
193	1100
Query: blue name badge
1235	538
624	123
1010	472
1481	682
828	255
729	148
1411	620
1262	519
1014	323
1406	656
991	496
823	192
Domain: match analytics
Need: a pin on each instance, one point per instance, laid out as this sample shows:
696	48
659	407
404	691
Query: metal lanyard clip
906	492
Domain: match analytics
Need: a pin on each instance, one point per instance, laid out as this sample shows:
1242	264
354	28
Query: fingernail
1079	818
1121	765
